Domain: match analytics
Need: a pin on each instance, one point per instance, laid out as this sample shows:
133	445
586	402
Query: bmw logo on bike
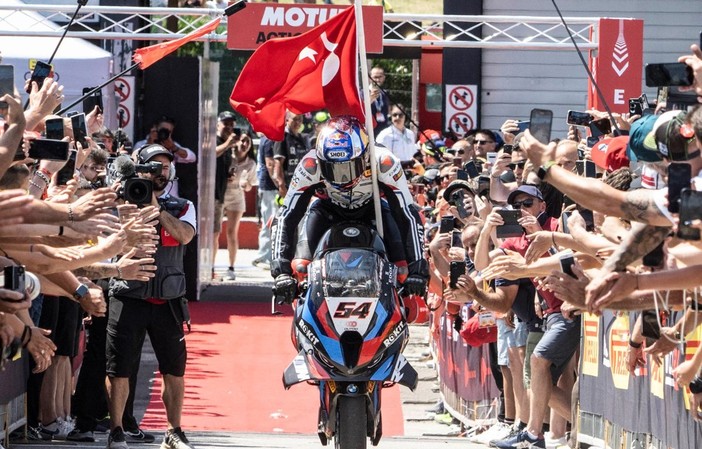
351	232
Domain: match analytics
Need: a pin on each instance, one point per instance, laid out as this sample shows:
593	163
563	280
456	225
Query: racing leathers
402	226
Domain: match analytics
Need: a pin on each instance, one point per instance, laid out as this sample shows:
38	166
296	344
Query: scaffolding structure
399	30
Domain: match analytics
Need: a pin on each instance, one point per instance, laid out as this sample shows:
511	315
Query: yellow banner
619	352
591	344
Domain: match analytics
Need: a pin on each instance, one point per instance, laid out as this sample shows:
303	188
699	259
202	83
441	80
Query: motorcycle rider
337	174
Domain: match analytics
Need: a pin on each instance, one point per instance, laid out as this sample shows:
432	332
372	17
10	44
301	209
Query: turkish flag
315	70
153	53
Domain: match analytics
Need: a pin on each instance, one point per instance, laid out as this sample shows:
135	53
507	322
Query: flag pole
361	41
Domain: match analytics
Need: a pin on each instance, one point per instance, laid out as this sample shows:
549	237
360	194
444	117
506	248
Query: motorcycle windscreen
351	273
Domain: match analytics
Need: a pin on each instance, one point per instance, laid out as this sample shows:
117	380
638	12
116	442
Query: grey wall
516	81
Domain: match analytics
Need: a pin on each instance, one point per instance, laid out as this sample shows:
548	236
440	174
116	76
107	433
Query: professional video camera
134	189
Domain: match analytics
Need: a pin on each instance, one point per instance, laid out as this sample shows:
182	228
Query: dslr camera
121	139
162	135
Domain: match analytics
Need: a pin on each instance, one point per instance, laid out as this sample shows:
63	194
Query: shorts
504	335
63	317
520	331
560	341
508	337
218	215
129	321
533	339
234	199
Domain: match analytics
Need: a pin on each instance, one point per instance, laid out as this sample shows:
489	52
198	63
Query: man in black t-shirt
288	152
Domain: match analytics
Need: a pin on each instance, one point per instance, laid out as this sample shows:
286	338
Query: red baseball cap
610	154
429	134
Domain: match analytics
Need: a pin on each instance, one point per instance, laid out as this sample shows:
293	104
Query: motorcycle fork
329	391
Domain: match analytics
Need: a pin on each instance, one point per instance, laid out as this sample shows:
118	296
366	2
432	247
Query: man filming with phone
156	307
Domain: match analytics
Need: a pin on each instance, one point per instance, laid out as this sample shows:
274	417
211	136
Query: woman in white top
242	176
398	139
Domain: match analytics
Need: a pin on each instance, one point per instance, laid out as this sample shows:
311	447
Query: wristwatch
80	292
541	173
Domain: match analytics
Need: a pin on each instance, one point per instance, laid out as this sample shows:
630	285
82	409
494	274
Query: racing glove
284	289
415	285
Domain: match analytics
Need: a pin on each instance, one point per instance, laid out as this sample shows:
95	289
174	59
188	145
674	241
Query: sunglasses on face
526	203
460	152
519	164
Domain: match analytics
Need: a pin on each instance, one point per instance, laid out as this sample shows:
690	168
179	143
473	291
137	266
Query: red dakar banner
259	22
617	64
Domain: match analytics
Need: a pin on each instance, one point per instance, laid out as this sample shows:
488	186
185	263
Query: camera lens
32	284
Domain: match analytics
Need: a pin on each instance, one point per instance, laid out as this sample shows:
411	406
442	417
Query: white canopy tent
77	64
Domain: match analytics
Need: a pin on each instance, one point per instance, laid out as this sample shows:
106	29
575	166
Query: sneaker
262	264
444	418
230	276
81	436
176	439
553	443
139	436
496	432
521	440
49	431
513	431
116	439
65	427
33	435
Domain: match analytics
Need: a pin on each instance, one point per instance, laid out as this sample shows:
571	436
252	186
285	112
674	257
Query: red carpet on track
237	353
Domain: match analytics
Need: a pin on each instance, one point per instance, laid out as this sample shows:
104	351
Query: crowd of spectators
77	256
522	236
526	234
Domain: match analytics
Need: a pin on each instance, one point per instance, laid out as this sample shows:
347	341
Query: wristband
543	170
60	230
27	331
635	345
694	305
42	174
71	218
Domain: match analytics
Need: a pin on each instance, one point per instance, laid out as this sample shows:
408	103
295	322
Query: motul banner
617	64
258	22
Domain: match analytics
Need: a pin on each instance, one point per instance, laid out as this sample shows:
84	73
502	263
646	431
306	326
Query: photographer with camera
156	306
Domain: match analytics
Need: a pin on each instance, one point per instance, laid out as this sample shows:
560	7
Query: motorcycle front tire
351	421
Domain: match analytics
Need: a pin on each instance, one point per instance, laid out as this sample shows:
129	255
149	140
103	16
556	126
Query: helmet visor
342	173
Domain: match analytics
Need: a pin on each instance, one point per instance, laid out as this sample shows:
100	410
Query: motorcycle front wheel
351	423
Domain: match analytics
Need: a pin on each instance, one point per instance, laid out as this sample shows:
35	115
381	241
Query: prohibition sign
460	123
123	116
123	89
461	98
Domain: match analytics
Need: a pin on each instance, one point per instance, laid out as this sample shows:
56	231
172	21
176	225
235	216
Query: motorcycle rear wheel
351	421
